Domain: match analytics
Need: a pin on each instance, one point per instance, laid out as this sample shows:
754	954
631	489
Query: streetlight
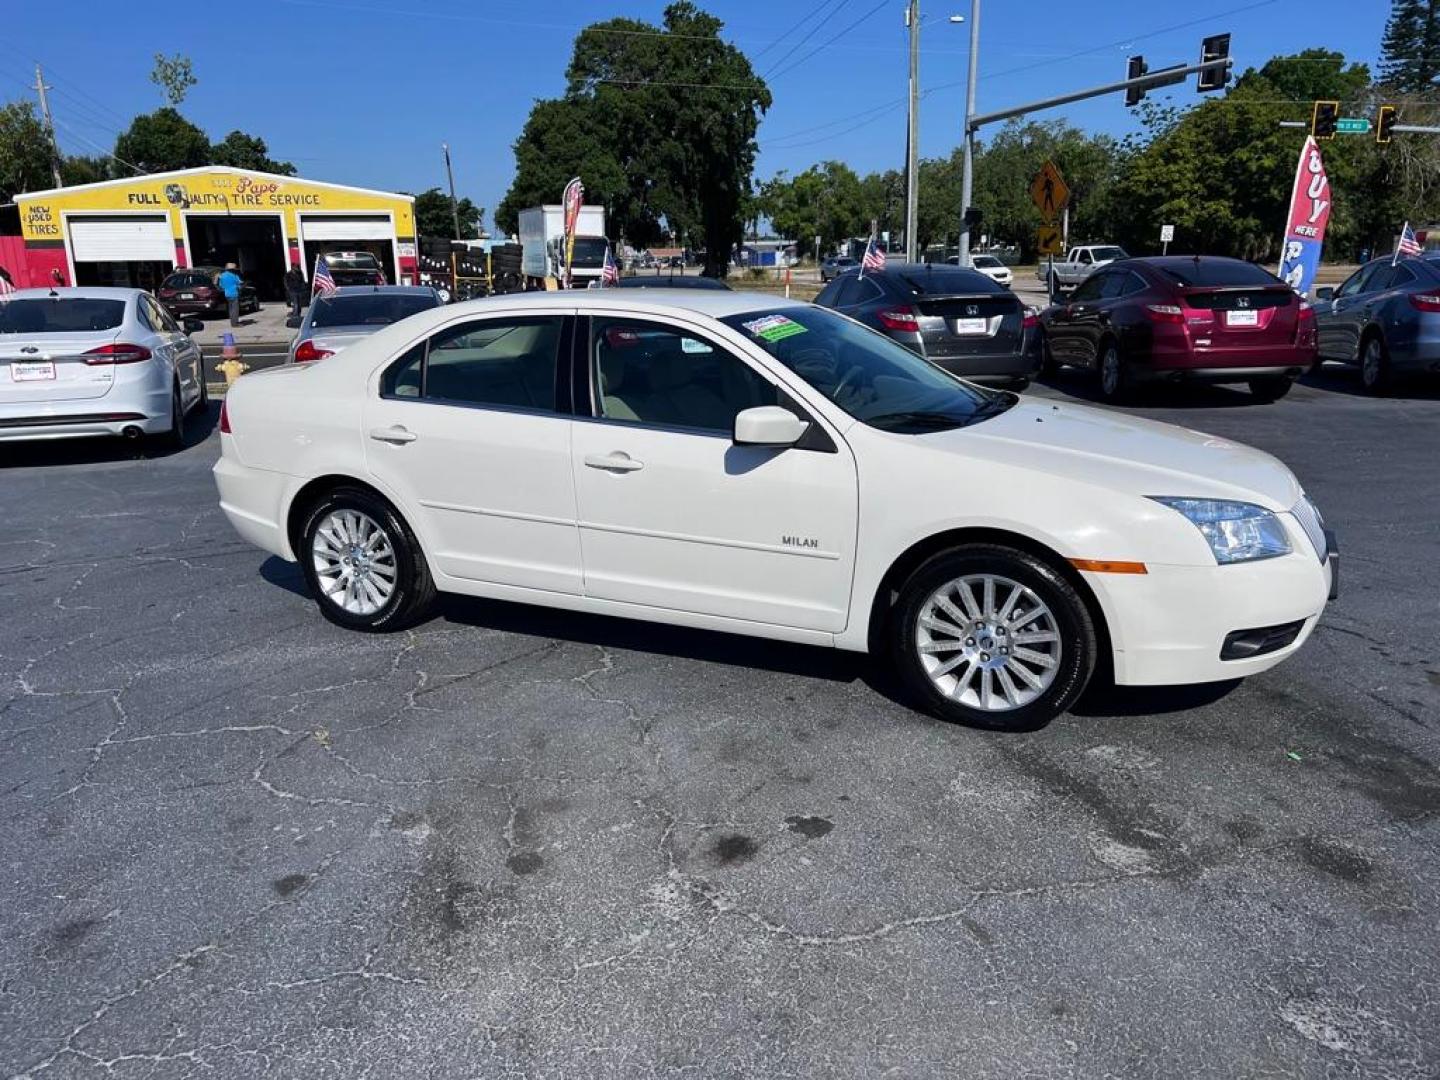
966	180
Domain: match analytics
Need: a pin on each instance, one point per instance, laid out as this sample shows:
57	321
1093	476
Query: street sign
1047	240
1167	233
1049	192
1353	125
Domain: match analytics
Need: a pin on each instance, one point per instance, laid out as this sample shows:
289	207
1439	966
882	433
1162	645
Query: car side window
143	314
161	318
1085	258
658	375
506	362
826	296
1357	282
1090	288
868	291
1114	286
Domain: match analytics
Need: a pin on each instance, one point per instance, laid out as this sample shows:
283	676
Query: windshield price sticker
774	328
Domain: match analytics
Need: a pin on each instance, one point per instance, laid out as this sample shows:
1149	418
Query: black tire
1271	387
173	438
1077	642
1376	376
1019	386
1112	373
414	591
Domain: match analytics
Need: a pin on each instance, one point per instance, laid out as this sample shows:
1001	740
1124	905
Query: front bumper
1170	625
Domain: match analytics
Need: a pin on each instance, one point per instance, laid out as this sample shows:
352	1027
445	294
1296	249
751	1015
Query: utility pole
40	89
966	173
454	206
912	149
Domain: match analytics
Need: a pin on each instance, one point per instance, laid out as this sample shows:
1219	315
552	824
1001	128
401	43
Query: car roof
69	292
715	303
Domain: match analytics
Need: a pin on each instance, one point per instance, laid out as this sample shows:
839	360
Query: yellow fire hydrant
232	368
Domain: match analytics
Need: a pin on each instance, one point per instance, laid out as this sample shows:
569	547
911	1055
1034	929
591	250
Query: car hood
1124	454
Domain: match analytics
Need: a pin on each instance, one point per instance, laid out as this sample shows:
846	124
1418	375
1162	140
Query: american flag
610	274
323	284
5	287
1408	244
874	257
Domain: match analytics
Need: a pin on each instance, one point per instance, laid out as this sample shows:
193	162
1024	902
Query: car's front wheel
364	566
992	637
1375	374
1114	375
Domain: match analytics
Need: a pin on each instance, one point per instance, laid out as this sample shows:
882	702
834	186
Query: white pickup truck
1077	265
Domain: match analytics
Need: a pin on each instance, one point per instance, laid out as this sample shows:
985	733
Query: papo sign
1049	192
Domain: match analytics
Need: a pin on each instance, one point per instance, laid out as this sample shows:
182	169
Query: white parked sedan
77	362
760	466
990	266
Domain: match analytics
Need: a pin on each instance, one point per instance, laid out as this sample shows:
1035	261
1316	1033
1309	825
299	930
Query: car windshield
874	379
369	309
589	252
68	315
1107	254
987	261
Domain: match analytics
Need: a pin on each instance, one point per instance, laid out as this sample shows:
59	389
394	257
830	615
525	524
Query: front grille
1309	518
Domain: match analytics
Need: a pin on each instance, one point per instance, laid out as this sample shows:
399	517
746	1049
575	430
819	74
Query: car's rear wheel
1114	376
1375	375
364	566
173	437
1270	387
992	637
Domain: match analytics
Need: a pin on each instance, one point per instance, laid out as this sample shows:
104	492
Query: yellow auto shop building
132	232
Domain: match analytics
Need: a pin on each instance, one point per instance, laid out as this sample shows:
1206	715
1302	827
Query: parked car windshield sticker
690	345
774	327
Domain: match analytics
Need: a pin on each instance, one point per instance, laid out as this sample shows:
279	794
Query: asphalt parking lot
242	842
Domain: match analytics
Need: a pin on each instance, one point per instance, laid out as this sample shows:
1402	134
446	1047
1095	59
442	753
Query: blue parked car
1385	318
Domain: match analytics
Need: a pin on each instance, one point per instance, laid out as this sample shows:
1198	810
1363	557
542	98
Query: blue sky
364	92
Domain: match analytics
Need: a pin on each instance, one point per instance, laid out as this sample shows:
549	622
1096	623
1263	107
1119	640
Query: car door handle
393	434
616	461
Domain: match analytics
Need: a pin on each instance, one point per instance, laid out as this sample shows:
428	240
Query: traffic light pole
974	122
1399	129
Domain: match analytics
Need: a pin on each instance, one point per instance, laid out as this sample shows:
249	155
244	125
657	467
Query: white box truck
542	240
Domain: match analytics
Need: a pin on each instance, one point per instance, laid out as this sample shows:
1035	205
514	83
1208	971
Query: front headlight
1236	531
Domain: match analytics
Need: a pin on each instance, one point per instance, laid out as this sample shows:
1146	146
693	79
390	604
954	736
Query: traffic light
1385	120
1322	120
1134	94
973	217
1216	47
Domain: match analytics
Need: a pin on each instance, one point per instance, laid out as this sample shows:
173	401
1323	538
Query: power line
818	10
831	41
803	20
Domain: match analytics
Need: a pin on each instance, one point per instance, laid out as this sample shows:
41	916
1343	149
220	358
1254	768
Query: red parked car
196	291
1201	317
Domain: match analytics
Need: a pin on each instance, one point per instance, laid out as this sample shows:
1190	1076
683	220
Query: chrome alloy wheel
354	562
1110	370
988	642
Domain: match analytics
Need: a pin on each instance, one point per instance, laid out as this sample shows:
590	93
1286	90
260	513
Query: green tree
25	152
659	123
79	169
174	76
242	151
433	216
1410	48
161	141
826	200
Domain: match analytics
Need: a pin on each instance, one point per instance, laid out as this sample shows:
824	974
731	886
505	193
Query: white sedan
760	466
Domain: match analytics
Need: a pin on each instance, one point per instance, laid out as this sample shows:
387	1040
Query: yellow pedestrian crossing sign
1049	192
1047	240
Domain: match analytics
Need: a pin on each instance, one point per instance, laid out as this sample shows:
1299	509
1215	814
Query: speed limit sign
1167	233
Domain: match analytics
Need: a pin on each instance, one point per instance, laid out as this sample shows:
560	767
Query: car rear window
373	309
67	315
1218	274
192	280
947	281
359	261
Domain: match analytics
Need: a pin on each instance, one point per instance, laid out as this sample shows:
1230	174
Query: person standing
230	282
295	288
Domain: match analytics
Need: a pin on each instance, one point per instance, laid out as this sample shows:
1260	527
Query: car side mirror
768	425
292	322
192	326
1326	293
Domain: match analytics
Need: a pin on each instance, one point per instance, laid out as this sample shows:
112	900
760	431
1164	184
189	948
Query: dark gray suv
1385	318
956	318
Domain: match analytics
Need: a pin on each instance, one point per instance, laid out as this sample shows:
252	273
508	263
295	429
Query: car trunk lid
970	324
1242	317
49	367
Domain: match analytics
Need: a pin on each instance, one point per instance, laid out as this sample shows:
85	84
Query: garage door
122	239
347	227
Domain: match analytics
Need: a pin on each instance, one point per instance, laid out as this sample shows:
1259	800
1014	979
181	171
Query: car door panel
683	519
489	483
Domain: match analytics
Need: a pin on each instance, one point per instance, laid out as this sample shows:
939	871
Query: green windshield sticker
774	328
